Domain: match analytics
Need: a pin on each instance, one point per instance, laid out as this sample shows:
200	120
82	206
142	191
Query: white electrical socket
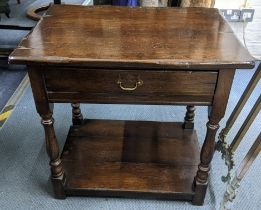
236	15
247	15
232	15
229	12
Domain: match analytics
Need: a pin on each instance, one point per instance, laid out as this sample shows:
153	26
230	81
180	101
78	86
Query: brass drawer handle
137	84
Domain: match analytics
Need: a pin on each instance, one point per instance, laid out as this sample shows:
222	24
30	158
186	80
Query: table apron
130	86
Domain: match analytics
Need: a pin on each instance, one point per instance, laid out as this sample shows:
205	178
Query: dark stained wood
166	86
140	158
32	12
128	99
189	118
133	37
77	118
154	82
45	110
138	56
217	112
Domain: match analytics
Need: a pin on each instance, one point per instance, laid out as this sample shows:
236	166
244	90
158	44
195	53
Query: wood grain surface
137	37
183	56
149	159
102	86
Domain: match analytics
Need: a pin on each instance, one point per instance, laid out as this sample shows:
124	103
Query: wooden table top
133	37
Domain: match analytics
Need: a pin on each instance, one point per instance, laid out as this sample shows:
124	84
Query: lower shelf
131	159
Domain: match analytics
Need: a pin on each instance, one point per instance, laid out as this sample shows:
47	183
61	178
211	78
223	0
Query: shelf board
131	159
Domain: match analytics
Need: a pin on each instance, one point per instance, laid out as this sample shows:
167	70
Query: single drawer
130	86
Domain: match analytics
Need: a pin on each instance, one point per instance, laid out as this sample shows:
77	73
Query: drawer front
131	85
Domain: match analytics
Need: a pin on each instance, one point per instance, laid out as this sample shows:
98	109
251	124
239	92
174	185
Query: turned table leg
189	117
216	113
45	110
201	179
52	148
77	118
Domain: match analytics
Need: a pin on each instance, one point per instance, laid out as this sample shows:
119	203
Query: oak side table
175	56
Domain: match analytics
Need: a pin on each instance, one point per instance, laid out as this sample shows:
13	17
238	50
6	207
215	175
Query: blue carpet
10	79
24	164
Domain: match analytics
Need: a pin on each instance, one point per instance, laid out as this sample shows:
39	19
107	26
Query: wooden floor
131	159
